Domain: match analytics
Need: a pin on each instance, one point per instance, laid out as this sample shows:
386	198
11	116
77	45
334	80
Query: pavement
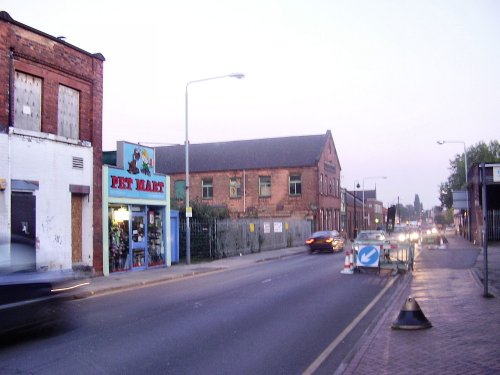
463	339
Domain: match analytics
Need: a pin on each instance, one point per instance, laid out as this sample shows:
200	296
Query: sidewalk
135	279
463	338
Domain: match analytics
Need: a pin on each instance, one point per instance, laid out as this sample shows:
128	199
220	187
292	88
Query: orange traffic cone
351	260
411	317
347	265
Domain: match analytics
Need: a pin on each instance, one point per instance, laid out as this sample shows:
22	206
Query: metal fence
493	218
215	239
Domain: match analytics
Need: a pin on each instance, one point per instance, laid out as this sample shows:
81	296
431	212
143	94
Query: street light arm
232	75
187	185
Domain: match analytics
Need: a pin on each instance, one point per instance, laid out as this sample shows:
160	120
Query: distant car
328	240
370	235
404	234
34	299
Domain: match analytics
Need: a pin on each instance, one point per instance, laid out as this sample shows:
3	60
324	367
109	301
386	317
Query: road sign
368	256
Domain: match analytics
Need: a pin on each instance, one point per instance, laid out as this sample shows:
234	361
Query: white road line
323	356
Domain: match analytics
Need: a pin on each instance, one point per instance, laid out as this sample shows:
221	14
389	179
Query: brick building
478	184
50	150
297	177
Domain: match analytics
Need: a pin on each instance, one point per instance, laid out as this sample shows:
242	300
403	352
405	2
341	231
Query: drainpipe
11	88
244	192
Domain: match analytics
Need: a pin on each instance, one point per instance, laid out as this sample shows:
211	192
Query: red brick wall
57	63
280	203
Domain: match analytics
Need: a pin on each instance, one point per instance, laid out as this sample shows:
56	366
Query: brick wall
57	62
280	202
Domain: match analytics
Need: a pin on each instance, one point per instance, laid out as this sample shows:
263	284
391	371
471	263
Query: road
274	317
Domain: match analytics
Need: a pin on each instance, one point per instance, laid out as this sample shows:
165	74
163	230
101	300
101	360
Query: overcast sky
388	78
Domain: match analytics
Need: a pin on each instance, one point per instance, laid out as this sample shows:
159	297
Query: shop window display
138	240
155	239
119	246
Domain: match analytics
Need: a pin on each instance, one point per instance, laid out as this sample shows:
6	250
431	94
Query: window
321	183
27	102
325	187
207	188
295	184
68	113
180	190
235	187
264	186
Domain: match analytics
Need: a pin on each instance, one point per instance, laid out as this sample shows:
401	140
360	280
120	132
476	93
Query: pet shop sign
122	184
134	175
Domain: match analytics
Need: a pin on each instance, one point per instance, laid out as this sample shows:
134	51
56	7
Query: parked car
327	240
35	299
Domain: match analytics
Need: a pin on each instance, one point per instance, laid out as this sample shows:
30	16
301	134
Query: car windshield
326	233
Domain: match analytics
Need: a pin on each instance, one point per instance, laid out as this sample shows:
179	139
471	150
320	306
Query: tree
476	154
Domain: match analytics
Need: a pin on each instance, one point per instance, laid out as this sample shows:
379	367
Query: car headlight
401	237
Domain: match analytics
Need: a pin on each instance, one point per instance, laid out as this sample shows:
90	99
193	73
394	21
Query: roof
4	16
285	152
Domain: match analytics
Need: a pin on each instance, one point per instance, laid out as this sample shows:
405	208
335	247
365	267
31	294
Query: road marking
266	281
323	356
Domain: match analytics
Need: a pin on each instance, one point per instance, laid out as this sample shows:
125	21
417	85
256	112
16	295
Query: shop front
136	208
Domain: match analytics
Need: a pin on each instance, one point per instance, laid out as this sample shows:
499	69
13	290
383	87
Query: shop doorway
76	229
23	231
139	239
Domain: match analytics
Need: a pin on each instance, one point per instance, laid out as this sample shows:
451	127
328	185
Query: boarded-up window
68	113
180	190
27	102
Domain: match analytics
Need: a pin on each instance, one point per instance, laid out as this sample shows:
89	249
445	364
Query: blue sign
368	256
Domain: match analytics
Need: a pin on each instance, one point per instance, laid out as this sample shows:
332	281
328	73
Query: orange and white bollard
347	265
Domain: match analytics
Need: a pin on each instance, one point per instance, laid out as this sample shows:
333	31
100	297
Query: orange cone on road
411	317
347	265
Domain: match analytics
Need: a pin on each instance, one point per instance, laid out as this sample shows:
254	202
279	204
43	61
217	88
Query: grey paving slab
464	337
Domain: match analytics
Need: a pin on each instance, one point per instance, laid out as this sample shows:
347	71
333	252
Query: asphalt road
274	317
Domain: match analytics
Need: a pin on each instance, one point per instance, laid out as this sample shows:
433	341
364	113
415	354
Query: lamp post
368	178
355	232
188	212
466	181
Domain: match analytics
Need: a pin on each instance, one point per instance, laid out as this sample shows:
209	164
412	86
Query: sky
388	78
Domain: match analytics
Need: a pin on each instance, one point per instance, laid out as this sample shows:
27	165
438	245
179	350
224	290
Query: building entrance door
139	239
23	231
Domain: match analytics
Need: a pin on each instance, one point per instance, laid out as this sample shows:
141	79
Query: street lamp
188	212
355	232
368	178
466	181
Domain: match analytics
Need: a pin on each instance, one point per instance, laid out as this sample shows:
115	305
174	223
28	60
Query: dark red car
325	241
